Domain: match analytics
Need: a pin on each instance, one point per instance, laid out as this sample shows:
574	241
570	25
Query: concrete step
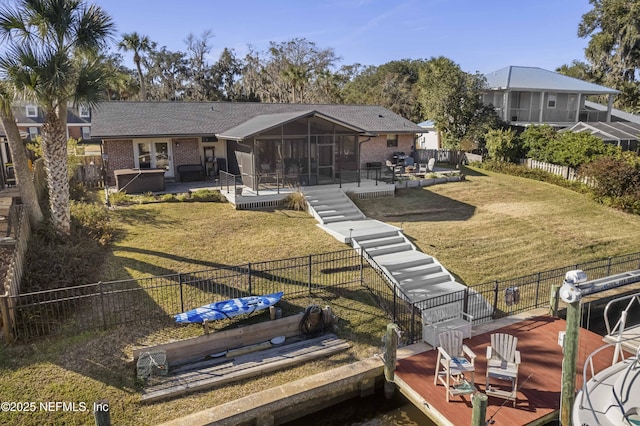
375	235
339	211
393	262
338	204
334	195
380	242
393	248
425	280
422	270
340	218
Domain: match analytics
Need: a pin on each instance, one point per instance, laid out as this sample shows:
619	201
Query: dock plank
232	369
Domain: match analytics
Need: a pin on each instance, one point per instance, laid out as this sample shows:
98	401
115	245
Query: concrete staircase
417	274
332	206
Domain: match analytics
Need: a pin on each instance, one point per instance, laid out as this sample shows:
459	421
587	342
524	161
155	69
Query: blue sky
479	35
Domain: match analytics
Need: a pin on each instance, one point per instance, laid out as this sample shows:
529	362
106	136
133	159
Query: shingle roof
533	78
138	119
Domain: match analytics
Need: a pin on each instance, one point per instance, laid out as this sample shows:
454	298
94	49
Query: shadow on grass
414	205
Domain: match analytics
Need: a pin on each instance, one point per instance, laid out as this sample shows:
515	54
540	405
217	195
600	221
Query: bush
92	220
296	201
206	195
535	174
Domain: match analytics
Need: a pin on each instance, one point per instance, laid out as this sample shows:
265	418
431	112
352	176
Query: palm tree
24	177
47	59
136	43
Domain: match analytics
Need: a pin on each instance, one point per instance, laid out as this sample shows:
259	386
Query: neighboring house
315	142
430	138
30	118
527	95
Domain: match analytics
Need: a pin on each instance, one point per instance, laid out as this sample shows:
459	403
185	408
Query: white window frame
31	110
84	111
85	131
552	100
33	132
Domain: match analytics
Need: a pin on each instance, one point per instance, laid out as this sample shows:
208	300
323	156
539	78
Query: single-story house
313	142
529	95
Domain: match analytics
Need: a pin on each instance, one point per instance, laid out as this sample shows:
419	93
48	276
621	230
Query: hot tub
138	181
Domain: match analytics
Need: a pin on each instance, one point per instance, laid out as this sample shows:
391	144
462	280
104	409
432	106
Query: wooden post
390	346
9	334
569	363
553	301
479	413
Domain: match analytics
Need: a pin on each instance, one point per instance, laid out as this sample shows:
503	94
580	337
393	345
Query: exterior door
326	159
155	155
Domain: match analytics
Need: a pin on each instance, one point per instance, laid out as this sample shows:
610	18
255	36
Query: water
373	410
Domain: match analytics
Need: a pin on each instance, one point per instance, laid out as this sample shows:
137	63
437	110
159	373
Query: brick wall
185	151
376	150
120	154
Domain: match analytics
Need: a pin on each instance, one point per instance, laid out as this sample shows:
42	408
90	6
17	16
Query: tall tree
451	97
613	51
200	85
226	72
393	85
168	74
50	57
285	72
24	176
134	42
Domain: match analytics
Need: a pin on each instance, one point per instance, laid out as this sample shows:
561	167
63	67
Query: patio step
380	242
342	217
328	211
421	270
426	280
376	235
393	262
393	248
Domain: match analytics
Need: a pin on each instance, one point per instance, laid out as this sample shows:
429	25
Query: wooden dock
538	396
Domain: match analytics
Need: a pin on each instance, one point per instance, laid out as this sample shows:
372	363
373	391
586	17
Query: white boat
229	308
611	397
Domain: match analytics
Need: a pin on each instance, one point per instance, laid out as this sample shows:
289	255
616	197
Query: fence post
537	288
309	274
181	295
609	266
249	272
104	315
9	333
495	300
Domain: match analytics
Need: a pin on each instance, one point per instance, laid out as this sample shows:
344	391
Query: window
86	132
33	132
85	112
551	100
392	141
31	110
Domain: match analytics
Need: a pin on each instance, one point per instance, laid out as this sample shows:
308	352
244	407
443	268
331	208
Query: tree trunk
24	177
143	87
54	148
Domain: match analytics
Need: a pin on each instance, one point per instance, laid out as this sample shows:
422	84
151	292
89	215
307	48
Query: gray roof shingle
138	119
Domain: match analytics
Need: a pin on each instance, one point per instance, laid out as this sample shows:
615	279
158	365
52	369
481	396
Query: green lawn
489	227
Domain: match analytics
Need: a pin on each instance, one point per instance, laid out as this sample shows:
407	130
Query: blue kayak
229	308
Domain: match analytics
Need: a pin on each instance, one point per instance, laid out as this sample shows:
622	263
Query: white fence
566	172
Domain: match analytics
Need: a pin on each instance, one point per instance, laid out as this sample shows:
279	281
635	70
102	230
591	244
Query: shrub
93	221
120	198
206	195
296	201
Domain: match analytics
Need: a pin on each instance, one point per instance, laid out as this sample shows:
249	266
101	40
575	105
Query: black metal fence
109	304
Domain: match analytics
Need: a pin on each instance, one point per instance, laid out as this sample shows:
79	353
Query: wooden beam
221	341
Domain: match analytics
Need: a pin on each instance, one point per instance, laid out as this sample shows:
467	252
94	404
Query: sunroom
301	148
